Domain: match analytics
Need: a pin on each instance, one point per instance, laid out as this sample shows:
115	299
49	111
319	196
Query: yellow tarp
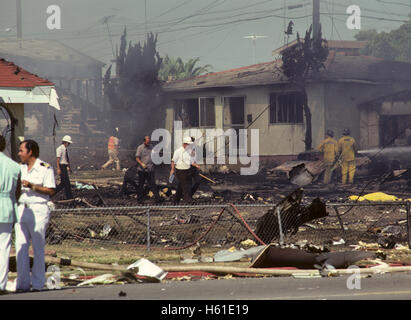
376	196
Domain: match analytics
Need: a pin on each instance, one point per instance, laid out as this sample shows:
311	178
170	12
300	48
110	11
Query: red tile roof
16	77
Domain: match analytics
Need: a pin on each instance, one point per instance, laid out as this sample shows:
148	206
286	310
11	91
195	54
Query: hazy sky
210	29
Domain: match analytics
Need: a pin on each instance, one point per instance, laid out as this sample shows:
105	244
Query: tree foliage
134	94
393	45
301	62
176	69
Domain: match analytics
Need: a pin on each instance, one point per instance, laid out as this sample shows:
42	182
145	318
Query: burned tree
134	94
300	63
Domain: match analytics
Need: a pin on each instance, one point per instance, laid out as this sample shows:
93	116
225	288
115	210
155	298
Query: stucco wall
274	139
16	111
346	108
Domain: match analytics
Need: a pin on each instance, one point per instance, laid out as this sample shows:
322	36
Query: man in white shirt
38	185
180	165
63	167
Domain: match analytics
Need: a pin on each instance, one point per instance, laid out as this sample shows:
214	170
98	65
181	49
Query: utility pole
19	20
285	21
145	16
316	18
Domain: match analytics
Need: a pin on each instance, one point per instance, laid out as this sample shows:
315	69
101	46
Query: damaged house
352	91
78	81
17	88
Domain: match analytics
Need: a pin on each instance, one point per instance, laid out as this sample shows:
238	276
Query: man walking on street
38	185
63	167
181	164
146	170
113	151
329	148
10	189
347	148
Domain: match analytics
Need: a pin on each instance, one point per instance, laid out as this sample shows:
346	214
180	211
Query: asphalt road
377	287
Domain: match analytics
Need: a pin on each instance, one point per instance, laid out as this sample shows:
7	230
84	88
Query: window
286	108
234	111
187	111
198	112
207	112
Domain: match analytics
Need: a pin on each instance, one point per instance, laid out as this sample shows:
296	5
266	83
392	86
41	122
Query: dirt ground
361	224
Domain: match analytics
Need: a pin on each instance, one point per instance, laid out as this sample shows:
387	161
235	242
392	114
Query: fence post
148	231
409	224
280	227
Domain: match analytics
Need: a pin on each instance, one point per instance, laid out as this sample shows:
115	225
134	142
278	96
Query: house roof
16	77
332	45
49	50
338	67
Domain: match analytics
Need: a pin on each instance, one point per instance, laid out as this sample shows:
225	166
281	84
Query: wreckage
288	216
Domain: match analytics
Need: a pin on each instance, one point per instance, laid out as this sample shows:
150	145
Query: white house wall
274	139
343	100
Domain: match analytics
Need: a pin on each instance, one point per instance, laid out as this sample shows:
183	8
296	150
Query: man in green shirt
10	189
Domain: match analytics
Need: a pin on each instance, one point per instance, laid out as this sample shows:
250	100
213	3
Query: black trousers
184	186
149	177
65	182
195	179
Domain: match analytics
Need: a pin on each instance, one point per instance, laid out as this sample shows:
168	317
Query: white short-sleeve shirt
61	152
183	158
41	174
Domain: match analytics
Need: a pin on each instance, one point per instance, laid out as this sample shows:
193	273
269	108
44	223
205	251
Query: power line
395	3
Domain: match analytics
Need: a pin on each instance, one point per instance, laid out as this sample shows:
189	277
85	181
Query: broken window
286	108
207	112
234	111
395	130
186	111
198	112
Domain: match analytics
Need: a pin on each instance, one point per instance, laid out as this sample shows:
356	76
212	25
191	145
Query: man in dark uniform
63	167
146	170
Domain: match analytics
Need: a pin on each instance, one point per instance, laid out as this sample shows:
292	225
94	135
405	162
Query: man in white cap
180	164
63	167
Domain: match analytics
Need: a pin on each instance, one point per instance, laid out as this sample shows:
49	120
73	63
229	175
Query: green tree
302	62
134	94
176	69
393	45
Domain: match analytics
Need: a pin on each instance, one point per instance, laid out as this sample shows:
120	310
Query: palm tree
176	69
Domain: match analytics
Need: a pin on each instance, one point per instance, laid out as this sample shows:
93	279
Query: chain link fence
226	225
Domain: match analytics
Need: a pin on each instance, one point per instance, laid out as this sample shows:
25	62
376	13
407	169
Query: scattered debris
248	243
376	196
339	242
273	256
148	269
107	278
292	215
83	186
122	294
189	260
232	255
300	176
